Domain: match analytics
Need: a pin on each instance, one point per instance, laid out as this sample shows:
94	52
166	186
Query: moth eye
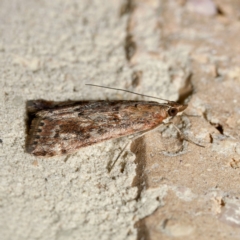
172	112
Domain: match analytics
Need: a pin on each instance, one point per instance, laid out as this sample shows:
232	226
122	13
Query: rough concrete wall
166	187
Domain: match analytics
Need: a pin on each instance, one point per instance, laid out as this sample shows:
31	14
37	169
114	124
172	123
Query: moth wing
65	130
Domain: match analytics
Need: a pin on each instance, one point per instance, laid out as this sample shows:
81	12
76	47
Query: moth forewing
65	129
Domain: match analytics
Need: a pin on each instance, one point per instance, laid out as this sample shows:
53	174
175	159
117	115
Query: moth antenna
123	90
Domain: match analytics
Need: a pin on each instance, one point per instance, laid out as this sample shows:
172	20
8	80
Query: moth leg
124	148
182	135
119	155
186	138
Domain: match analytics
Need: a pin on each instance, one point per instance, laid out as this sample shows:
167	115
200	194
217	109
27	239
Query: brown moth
63	128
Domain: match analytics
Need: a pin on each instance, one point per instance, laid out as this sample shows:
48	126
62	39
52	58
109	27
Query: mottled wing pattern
65	129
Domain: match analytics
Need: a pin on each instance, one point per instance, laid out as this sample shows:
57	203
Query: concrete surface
164	187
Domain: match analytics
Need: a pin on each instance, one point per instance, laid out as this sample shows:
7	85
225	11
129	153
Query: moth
64	128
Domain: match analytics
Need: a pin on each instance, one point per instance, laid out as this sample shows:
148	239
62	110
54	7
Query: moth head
175	108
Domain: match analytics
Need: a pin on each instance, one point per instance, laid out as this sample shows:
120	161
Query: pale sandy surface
168	188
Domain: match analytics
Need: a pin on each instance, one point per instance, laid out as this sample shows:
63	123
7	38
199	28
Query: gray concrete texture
162	187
